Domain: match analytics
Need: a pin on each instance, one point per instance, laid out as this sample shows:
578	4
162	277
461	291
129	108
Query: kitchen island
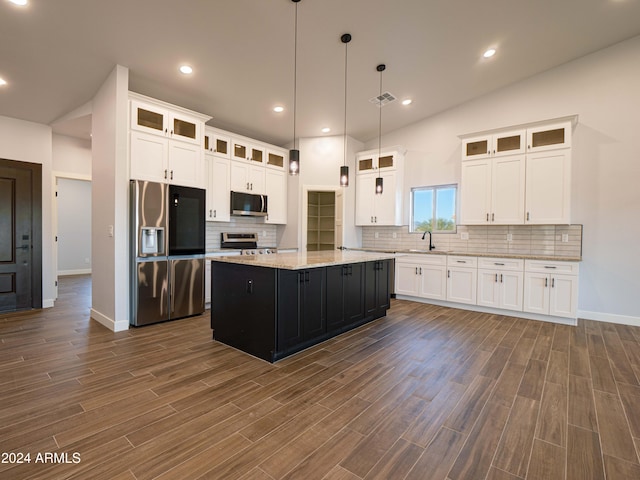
272	306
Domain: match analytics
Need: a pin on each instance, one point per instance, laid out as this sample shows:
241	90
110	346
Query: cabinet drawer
511	264
462	261
567	268
422	259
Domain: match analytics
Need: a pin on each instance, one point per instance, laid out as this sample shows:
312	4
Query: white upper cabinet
384	208
244	150
519	175
219	144
494	145
276	190
493	191
218	188
548	188
164	143
277	159
159	120
549	137
370	160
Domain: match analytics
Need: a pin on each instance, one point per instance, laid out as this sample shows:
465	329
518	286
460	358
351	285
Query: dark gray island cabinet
275	305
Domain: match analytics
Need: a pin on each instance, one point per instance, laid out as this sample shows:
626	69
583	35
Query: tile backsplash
266	232
544	240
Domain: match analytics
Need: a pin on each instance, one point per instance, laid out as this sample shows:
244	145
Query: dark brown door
18	236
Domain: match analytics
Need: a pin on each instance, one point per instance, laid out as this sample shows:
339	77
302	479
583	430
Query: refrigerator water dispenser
152	241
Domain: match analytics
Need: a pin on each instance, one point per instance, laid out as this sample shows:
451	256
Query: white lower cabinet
551	288
462	275
538	287
500	283
422	276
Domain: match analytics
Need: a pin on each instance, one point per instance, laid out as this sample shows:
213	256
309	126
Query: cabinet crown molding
573	119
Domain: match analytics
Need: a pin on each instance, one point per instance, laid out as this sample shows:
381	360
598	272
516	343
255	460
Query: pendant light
294	154
344	169
380	68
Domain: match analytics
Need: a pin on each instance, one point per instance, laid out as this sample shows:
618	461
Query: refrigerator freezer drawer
187	287
152	293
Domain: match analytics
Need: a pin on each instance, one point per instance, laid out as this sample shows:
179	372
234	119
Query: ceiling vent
382	100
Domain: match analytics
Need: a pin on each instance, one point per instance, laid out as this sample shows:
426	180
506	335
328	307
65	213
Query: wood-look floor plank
584	456
514	449
477	453
582	412
547	461
396	462
613	427
438	457
618	469
552	422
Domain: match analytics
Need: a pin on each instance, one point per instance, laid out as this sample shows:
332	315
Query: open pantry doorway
323	218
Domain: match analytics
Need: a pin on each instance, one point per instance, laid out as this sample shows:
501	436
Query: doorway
322	219
20	235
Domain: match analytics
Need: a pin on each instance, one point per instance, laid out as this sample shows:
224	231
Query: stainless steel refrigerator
167	252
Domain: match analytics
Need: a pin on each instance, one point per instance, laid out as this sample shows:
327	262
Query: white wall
74	226
31	142
110	193
320	162
71	156
602	88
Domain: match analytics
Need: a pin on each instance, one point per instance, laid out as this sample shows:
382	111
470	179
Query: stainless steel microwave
248	204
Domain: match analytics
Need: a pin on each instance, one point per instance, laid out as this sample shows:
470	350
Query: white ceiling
55	54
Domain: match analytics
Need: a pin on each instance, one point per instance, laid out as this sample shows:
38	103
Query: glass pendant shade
344	176
379	186
294	162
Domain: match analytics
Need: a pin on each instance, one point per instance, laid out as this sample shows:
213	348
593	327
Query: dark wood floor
425	393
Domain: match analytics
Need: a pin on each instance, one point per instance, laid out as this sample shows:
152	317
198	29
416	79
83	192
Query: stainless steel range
247	243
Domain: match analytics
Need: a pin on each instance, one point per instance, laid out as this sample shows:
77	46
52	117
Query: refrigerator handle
172	290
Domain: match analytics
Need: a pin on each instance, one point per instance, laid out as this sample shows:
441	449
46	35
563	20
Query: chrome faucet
431	245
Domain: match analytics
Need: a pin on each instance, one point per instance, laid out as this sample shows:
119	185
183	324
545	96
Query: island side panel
243	307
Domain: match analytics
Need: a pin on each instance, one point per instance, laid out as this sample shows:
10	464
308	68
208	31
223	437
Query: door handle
306	276
249	286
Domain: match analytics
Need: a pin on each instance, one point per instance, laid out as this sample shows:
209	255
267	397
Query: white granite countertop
301	260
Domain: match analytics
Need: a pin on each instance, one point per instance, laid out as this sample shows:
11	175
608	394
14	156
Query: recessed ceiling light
489	53
186	69
326	130
278	109
407	101
22	3
2	81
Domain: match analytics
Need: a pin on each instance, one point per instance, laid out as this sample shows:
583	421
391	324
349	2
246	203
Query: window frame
435	189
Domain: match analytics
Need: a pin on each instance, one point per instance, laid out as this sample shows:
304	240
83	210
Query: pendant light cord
346	48
380	116
295	75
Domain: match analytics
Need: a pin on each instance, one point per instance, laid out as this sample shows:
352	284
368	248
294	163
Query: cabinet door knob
487	217
165	173
501	279
448	273
496	277
215	213
493	217
527	216
553	283
171	174
546	282
416	270
420	270
210	213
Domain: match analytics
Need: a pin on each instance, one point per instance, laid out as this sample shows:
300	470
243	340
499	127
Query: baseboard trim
81	271
610	318
115	326
496	311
